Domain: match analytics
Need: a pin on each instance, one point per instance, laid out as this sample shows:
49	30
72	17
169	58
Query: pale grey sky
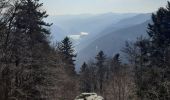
63	7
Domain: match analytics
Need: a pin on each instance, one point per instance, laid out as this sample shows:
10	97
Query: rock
89	96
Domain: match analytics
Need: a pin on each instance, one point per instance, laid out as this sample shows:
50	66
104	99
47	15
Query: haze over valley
91	32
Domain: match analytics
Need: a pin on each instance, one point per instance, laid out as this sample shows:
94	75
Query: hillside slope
112	43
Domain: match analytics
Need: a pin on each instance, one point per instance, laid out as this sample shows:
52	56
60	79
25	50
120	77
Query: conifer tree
85	79
100	60
116	63
151	56
84	67
141	66
159	33
26	42
67	50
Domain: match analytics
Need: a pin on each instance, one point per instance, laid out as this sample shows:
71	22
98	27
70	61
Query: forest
32	68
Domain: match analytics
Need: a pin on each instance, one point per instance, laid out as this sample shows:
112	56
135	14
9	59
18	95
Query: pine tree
150	58
100	60
141	66
84	67
159	32
67	50
29	66
27	39
85	85
116	63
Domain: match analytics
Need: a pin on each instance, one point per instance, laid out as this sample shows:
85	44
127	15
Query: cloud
84	33
79	36
74	37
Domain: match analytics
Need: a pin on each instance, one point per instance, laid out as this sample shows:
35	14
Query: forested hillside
33	68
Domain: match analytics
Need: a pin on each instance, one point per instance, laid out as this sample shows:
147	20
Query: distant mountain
92	24
121	24
127	22
138	19
112	42
92	33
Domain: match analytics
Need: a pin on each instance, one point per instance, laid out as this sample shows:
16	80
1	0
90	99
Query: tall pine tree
85	85
159	32
151	58
100	60
26	42
67	50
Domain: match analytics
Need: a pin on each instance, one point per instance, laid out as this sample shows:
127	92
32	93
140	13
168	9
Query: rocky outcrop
89	96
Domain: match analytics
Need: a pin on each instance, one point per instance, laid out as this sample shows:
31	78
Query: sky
67	7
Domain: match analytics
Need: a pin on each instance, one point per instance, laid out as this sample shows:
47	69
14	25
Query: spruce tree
141	66
116	63
67	50
83	68
151	56
100	60
28	44
159	33
84	79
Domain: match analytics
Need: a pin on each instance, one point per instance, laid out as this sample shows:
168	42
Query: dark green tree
141	68
151	56
84	67
27	43
116	63
85	85
67	50
159	33
100	60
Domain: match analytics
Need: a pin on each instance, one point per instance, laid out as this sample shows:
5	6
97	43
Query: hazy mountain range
92	33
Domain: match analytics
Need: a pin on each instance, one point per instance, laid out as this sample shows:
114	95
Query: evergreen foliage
67	50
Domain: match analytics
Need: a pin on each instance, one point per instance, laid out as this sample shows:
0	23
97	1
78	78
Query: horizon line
100	13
